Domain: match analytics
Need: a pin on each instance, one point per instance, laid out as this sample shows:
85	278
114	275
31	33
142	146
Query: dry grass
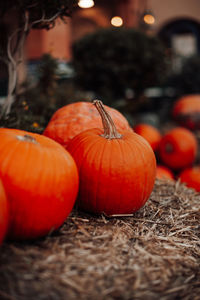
154	254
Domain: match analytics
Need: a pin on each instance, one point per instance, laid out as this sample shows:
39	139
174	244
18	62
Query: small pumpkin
41	182
150	133
116	170
186	111
178	148
71	119
191	176
162	172
3	213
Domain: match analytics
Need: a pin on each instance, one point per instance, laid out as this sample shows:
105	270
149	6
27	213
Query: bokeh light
86	3
117	21
149	19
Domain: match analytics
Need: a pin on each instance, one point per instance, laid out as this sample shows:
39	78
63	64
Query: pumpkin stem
27	138
110	131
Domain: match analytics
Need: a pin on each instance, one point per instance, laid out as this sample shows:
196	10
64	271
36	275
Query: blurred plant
34	107
17	18
47	70
187	81
114	62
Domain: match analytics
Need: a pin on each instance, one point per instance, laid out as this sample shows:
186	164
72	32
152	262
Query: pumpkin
162	172
3	213
71	119
41	182
150	133
178	148
186	111
116	170
191	176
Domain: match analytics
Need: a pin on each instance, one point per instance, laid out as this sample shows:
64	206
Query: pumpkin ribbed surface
117	172
41	182
74	118
3	213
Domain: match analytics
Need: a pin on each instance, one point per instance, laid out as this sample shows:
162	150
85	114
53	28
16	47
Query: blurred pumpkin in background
186	111
162	172
178	148
150	133
191	176
3	213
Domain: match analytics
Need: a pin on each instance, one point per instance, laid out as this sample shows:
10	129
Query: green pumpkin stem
110	131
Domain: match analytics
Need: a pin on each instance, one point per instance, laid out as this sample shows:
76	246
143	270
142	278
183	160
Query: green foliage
37	10
47	74
187	81
17	18
36	14
112	61
33	109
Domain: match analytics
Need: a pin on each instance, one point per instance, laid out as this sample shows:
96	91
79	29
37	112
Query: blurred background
138	56
176	22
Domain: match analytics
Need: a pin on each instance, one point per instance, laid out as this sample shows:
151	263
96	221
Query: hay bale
154	254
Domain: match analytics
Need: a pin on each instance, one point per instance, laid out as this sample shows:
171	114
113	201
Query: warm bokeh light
149	19
117	21
86	3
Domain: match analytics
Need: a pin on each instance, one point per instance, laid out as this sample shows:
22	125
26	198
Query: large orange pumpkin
191	176
150	133
117	171
41	182
178	148
74	118
3	213
162	172
186	111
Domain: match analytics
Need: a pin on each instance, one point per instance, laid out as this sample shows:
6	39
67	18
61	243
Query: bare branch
23	36
43	20
9	50
21	32
26	28
38	21
13	76
16	34
27	19
32	5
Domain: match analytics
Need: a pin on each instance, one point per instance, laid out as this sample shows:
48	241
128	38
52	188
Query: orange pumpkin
116	170
74	118
162	172
186	111
41	182
178	148
3	213
191	176
150	133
